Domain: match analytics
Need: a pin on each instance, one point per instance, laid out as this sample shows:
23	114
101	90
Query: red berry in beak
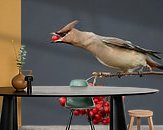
54	38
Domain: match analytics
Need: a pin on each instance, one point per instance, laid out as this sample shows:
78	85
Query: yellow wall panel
10	29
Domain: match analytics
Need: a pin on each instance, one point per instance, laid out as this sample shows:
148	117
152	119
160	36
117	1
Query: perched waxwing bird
110	51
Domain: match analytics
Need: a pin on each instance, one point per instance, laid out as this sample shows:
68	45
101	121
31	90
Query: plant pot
18	82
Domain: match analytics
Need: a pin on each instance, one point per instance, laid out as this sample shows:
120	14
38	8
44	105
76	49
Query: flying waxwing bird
110	51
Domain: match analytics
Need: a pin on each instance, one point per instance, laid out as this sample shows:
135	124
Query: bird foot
140	73
120	74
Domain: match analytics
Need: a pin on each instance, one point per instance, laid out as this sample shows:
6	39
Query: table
117	114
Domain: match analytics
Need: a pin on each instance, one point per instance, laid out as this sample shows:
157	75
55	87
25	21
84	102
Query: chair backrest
79	102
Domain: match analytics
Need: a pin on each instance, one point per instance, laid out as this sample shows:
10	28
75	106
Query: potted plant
18	81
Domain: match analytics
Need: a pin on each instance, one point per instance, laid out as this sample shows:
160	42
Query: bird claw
140	73
119	74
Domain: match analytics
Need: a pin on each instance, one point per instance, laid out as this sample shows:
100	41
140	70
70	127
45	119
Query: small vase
18	82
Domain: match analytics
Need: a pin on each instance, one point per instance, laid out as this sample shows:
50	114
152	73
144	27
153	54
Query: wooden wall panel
10	29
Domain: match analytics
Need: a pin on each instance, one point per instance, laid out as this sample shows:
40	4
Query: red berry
98	106
108	120
97	116
91	84
106	104
95	121
55	37
91	113
95	110
76	112
62	101
107	109
104	122
95	100
82	112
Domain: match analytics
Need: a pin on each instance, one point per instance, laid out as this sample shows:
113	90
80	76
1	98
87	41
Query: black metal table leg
9	113
117	114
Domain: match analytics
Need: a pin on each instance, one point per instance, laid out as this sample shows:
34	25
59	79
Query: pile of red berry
99	114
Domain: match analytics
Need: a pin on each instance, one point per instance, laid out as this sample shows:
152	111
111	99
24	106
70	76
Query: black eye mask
62	34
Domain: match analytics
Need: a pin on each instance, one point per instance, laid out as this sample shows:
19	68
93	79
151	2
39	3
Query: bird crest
68	27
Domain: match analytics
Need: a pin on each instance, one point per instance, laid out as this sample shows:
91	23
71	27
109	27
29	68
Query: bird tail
155	54
154	64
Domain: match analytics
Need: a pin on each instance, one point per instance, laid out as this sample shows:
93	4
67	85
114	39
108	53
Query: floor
81	127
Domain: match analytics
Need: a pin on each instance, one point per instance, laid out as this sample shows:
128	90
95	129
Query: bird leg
149	68
140	71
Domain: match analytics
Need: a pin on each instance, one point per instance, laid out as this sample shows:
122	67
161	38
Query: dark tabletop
58	91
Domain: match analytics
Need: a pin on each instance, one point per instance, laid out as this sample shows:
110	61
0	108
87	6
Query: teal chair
73	103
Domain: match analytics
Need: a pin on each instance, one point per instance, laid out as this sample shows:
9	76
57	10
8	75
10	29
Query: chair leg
70	119
131	123
138	123
90	121
150	123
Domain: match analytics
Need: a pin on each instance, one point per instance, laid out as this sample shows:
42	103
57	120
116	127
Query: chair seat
140	113
79	103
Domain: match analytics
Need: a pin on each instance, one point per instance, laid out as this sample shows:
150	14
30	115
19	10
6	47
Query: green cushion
79	102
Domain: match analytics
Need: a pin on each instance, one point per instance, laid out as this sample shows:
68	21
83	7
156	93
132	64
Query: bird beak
55	37
53	33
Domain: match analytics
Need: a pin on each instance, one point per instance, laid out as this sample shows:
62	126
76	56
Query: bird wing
112	41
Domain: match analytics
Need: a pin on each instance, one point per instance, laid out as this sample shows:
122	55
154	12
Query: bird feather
128	45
